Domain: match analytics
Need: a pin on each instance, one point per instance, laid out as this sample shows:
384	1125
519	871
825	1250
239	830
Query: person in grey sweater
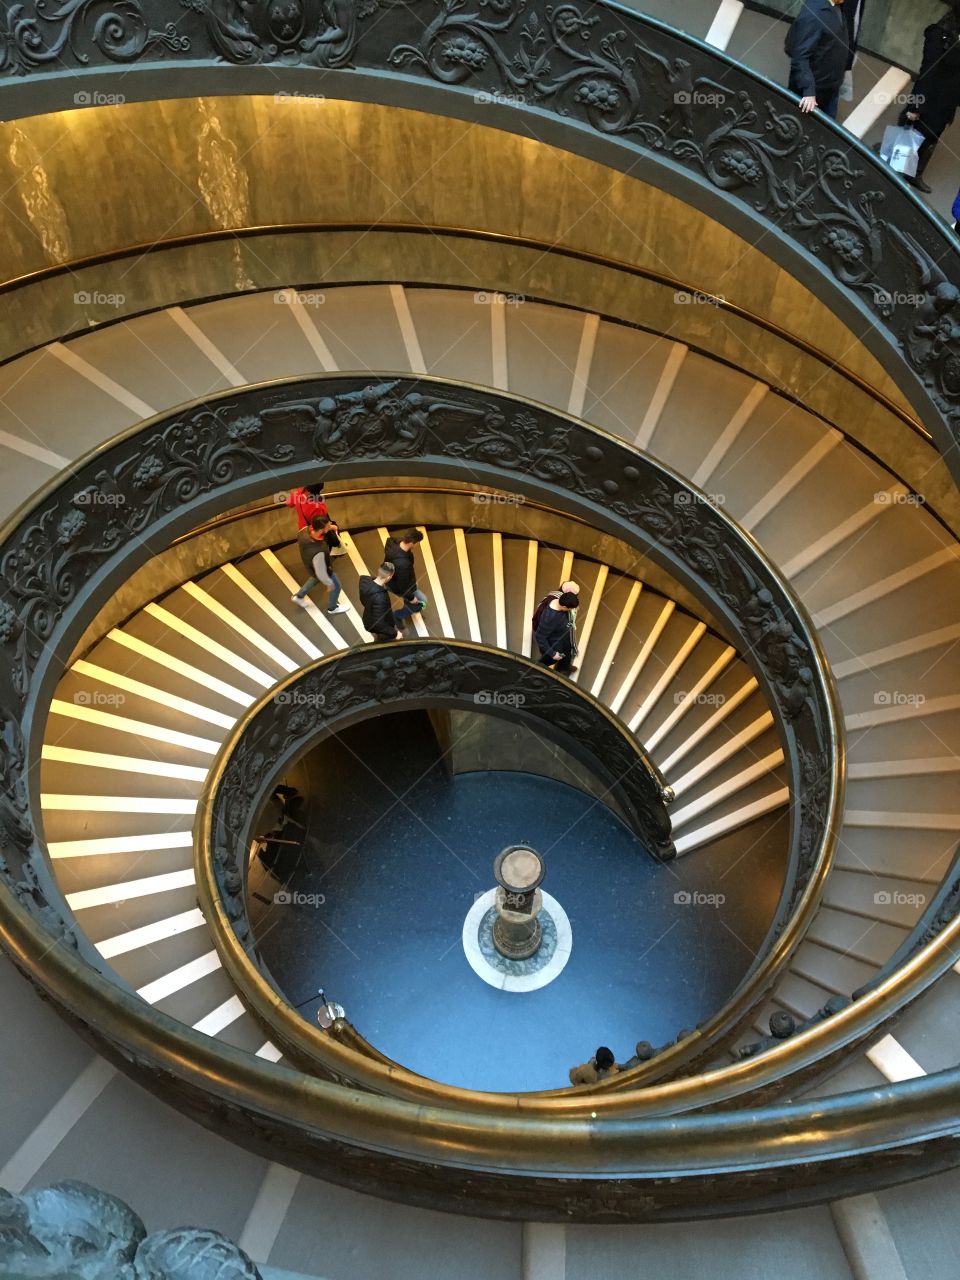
317	541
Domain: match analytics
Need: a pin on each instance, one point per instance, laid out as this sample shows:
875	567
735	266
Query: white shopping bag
901	149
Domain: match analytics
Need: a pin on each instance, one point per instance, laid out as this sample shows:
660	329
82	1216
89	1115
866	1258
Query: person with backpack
377	609
554	633
399	552
572	587
819	45
318	541
308	503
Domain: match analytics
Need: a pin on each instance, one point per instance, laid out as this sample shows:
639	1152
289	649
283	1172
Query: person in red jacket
307	502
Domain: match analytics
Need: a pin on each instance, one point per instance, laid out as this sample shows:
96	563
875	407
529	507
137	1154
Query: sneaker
339	608
300	600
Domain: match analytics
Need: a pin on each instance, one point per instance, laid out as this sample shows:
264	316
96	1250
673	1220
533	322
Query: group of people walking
822	43
553	622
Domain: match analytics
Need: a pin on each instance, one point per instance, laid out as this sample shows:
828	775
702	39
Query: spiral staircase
859	526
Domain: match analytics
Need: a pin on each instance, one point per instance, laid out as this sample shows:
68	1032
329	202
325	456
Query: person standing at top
317	542
935	95
819	46
377	609
308	503
601	1065
399	552
554	634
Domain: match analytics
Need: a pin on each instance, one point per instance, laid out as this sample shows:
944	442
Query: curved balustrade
330	695
62	557
606	81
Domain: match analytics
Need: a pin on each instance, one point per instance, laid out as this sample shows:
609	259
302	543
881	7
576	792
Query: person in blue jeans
399	552
317	541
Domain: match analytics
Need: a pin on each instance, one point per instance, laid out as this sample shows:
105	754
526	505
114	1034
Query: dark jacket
553	633
404	580
936	91
819	47
377	609
311	548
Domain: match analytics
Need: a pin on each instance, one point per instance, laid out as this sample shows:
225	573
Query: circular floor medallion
516	975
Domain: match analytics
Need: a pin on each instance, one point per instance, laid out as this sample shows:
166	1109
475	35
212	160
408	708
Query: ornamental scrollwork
33	38
305	33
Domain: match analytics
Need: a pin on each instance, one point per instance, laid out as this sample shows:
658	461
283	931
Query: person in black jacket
377	609
819	45
554	634
399	553
935	95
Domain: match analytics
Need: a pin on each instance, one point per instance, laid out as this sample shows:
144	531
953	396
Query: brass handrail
754	985
541	247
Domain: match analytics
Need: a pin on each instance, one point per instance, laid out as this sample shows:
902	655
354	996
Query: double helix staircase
877	572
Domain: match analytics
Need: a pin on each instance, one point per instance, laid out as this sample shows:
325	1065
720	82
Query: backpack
537	613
